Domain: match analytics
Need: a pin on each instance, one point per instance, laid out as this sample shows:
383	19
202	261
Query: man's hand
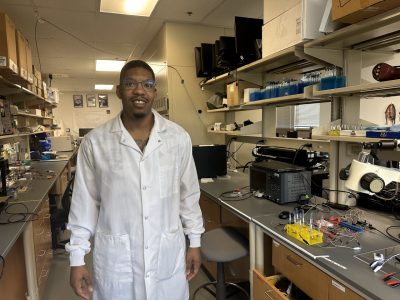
193	262
81	282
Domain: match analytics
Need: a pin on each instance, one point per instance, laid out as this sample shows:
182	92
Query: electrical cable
22	216
79	39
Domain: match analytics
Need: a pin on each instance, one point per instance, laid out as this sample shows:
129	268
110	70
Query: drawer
304	275
264	287
338	291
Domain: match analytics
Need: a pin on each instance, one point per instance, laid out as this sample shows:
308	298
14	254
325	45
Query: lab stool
222	245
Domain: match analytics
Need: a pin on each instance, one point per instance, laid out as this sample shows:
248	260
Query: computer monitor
207	59
248	34
210	160
84	131
226	55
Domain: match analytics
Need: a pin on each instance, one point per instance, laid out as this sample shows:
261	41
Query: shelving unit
234	108
351	139
378	32
375	89
20	114
20	94
18	135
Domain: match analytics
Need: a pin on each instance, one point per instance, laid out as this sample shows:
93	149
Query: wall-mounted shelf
17	135
233	108
21	114
287	60
375	89
378	32
351	139
19	94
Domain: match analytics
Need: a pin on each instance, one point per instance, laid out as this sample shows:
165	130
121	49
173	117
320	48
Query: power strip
302	233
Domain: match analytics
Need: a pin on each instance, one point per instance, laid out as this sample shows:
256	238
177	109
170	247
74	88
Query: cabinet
42	245
317	284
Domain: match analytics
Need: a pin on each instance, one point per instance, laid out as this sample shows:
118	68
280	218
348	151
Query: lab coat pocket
169	180
171	257
112	257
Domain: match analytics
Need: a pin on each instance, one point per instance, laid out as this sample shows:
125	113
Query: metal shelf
351	139
375	89
379	32
9	136
306	97
19	94
287	60
241	107
32	116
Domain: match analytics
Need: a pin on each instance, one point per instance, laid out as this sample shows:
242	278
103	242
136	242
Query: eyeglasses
147	85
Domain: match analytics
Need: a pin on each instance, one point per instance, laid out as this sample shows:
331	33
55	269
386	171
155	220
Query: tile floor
58	282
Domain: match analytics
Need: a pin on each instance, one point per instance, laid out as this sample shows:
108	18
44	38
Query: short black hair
136	64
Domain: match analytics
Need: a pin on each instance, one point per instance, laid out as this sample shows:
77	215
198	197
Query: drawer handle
267	293
293	261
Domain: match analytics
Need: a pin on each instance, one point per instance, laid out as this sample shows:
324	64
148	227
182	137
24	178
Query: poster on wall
91	100
103	100
78	100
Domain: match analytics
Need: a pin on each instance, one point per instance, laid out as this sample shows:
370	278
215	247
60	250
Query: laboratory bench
321	272
26	245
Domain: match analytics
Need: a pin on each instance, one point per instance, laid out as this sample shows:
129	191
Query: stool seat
223	245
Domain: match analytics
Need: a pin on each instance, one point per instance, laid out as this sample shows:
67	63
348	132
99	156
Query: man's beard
139	115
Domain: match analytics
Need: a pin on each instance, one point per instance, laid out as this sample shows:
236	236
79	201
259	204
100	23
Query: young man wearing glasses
136	192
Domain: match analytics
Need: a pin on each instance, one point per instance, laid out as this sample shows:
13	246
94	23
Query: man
136	192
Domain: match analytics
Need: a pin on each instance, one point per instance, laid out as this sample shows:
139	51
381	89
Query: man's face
137	92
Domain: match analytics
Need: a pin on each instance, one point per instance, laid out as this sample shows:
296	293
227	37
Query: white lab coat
138	207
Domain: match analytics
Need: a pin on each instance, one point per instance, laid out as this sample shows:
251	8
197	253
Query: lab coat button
146	247
144	188
147	275
146	217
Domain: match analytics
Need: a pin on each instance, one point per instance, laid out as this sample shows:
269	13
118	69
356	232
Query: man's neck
136	125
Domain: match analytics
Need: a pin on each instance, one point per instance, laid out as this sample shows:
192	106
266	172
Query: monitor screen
210	160
84	131
248	34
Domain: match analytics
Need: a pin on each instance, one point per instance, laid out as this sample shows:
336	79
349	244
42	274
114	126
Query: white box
294	27
255	128
61	143
274	8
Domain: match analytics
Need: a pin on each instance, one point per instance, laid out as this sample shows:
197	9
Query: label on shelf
3	61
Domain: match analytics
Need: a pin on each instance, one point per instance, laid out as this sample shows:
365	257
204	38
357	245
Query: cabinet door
338	292
211	212
304	275
13	285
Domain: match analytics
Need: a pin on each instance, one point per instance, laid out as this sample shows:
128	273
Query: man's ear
118	91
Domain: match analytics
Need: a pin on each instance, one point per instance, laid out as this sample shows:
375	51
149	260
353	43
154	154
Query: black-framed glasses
147	85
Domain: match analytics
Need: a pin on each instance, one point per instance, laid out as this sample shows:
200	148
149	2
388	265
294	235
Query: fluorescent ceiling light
128	7
109	65
103	87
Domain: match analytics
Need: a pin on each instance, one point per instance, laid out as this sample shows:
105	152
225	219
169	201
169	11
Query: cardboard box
294	27
353	11
36	73
21	55
273	8
44	91
29	68
8	46
235	91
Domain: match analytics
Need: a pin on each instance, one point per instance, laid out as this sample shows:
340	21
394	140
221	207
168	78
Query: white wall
187	98
86	117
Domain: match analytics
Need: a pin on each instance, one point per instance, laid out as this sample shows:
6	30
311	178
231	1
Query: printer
62	143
